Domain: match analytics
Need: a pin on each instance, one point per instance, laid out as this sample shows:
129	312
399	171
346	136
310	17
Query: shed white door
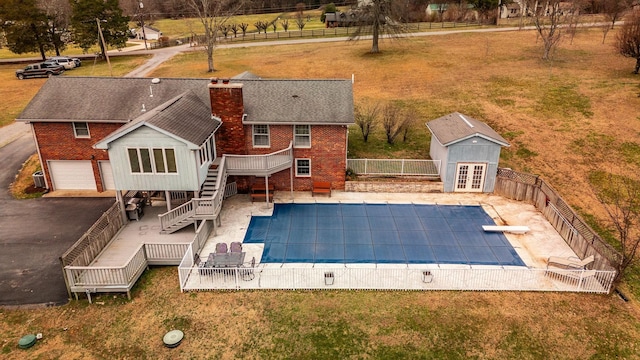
108	183
72	175
470	177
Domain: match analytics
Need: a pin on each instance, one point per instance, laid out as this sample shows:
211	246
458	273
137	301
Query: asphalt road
35	233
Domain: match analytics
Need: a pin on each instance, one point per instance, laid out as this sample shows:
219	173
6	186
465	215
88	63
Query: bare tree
243	27
274	25
225	29
366	117
410	116
393	122
213	14
620	198
261	25
300	23
605	30
628	39
548	19
234	28
613	10
285	24
375	18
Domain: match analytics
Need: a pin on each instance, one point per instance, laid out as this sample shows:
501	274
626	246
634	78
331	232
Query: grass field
563	118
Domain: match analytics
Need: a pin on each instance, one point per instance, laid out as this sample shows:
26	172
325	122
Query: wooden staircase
209	185
206	207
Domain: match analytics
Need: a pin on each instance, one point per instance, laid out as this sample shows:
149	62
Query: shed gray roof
184	117
456	127
269	101
95	99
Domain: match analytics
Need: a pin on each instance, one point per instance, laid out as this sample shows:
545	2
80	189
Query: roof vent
466	121
155	81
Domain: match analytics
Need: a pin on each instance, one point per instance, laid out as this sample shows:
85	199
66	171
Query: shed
149	32
469	151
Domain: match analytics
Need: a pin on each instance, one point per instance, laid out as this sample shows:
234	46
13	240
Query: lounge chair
236	247
221	248
570	263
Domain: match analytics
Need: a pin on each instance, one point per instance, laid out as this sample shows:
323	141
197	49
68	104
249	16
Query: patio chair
247	270
570	263
221	248
236	246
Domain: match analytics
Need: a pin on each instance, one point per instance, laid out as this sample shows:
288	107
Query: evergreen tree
25	27
86	14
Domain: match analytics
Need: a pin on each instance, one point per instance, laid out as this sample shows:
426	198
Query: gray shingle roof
64	98
269	101
185	117
94	99
456	127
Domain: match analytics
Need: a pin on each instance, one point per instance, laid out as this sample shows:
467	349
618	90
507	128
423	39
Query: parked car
38	70
65	61
77	61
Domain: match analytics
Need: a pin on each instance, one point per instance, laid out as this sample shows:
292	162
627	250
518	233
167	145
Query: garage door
72	175
107	176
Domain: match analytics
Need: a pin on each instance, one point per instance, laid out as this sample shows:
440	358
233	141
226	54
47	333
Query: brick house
84	129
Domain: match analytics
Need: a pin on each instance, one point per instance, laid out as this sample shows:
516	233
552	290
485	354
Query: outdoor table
225	260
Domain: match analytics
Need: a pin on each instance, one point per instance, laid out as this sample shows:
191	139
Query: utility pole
144	36
104	45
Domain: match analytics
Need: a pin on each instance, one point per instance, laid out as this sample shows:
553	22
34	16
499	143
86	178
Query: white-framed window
303	167
81	129
302	136
261	136
149	161
207	151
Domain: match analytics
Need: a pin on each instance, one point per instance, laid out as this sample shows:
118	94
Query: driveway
35	233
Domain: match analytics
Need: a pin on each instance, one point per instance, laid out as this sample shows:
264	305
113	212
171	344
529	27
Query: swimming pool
380	233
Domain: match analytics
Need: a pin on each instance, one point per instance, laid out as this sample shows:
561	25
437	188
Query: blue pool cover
380	233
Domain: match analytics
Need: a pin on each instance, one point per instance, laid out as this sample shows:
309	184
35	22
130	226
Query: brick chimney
227	104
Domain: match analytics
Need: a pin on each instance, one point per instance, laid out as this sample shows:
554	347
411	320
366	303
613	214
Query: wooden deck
136	233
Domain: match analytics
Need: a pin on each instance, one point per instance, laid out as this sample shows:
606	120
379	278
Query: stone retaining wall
394	187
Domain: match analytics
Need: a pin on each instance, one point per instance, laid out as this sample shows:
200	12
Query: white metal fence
193	278
394	167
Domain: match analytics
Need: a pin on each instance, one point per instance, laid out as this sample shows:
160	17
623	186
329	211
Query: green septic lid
27	341
173	338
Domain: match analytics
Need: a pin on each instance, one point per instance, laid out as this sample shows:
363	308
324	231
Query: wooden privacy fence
575	231
85	250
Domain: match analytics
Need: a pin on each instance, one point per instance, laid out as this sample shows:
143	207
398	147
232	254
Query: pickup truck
38	70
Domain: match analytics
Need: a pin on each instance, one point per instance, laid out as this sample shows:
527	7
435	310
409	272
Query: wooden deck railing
575	231
94	240
117	278
260	164
92	279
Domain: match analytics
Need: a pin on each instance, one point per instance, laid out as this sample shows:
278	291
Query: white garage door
107	176
72	175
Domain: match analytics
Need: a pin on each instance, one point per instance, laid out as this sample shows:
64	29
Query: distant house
149	32
340	19
469	151
164	134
